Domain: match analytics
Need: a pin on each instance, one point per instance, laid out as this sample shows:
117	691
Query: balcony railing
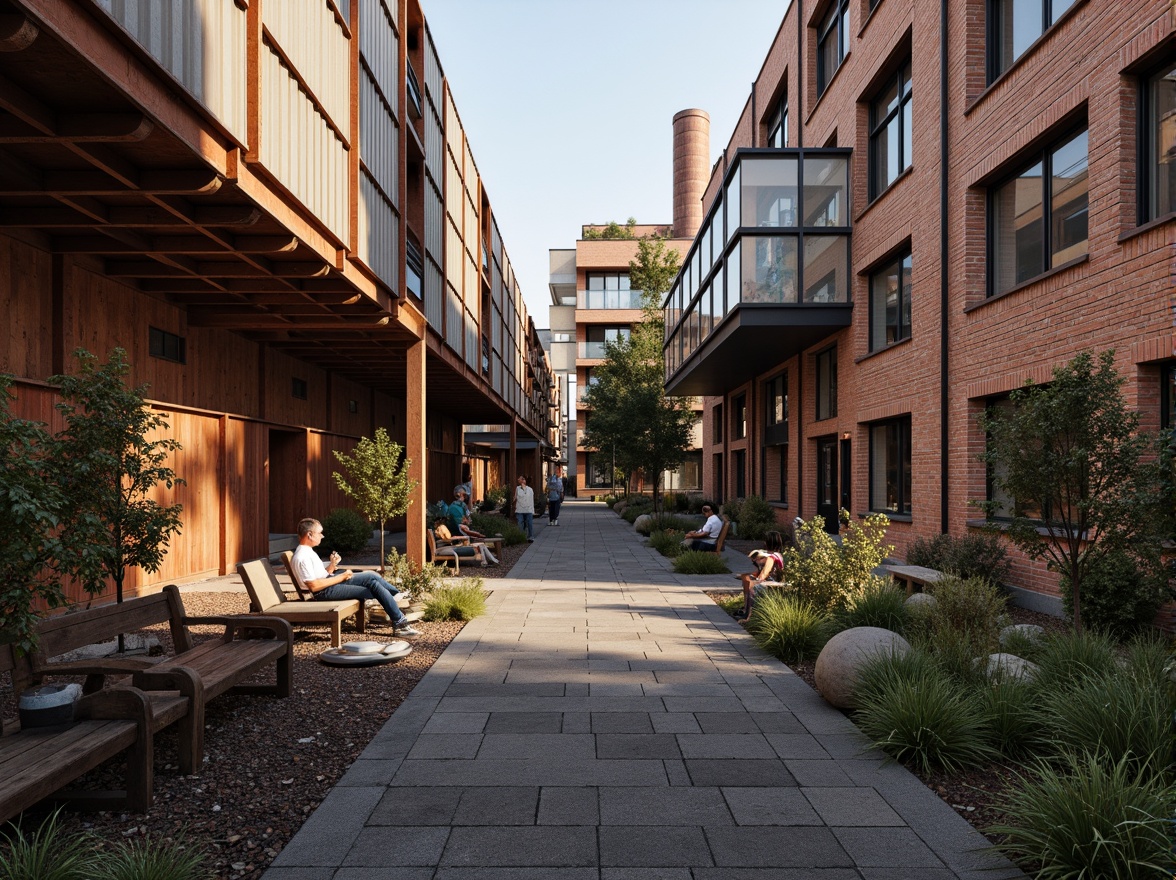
609	299
768	275
591	350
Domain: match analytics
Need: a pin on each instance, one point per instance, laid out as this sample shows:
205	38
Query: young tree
30	511
630	412
1070	450
109	467
379	483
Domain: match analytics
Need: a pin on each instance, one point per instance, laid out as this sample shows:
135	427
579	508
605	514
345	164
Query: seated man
481	552
459	515
706	537
325	582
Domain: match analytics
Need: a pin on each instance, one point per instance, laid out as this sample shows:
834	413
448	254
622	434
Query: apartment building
275	209
922	207
593	303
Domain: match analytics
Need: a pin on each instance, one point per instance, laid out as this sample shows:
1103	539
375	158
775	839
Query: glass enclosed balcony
768	274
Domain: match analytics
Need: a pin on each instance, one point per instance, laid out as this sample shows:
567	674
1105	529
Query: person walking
525	508
555	494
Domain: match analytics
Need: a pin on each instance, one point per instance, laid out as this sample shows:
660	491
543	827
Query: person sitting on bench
481	552
329	582
706	537
769	564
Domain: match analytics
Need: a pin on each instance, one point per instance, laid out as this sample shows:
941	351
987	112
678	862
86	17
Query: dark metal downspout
798	7
943	273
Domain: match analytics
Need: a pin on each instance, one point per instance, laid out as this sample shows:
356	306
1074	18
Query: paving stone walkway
607	721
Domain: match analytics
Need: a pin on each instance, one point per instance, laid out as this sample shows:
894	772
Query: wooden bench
914	577
721	539
37	763
266	597
177	687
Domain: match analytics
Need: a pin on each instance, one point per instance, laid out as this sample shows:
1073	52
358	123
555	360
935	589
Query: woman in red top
771	565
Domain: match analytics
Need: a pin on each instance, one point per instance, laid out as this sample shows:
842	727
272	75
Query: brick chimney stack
691	169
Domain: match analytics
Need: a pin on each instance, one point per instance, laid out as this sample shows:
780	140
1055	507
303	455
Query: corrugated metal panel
471	230
496	329
378	46
496	241
434	146
433	298
199	42
378	242
473	351
470	171
453	255
471	282
454	196
299	148
453	319
311	38
454	136
434	223
433	76
378	138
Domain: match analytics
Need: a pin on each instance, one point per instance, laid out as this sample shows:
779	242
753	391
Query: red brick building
921	207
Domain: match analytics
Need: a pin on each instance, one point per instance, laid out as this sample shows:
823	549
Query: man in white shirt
707	537
328	582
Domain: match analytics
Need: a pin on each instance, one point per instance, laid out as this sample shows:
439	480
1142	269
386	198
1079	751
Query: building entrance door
827	473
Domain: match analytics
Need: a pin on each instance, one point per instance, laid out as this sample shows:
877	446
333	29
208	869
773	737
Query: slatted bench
177	687
37	763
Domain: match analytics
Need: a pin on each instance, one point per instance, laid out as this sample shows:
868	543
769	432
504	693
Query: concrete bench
914	577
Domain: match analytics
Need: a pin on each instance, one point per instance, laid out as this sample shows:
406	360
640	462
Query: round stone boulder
920	603
1009	667
843	657
1030	631
643	523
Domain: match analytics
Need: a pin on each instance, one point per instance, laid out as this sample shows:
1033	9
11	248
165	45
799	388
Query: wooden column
415	401
512	463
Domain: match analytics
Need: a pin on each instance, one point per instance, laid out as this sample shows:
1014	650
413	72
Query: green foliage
637	508
731	603
973	555
612	231
377	479
610	501
972	606
1065	659
1069	452
345	531
830	576
463	600
1123	592
700	562
753	516
109	469
408	575
31	505
880	604
49	853
668	544
663	522
495	499
926	720
152	860
1088	819
787	626
1010	710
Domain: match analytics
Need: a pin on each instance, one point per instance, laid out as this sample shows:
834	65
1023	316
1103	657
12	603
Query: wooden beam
17	33
185	181
256	321
25	107
118	128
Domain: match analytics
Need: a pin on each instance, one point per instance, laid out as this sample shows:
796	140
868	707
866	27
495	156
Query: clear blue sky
569	105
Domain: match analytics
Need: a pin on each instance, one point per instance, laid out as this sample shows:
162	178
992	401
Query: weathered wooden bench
914	577
37	763
177	687
266	597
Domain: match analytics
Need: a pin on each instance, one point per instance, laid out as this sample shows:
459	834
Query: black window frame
299	389
603	291
717	423
1168	395
591	463
825	374
1043	155
903	466
995	61
902	331
1149	162
739	417
778	125
835	22
167	346
880	120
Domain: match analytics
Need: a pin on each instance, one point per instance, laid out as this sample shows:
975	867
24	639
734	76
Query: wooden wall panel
222	369
280	403
26	303
343	421
323	495
287	478
246	499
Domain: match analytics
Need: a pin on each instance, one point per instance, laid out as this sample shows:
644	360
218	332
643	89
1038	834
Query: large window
610	291
1005	506
827	384
1158	178
717	423
778	126
890	466
1038	217
598	335
1014	25
890	303
832	42
598	467
890	131
776	400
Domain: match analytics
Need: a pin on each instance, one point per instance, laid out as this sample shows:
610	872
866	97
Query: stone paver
606	721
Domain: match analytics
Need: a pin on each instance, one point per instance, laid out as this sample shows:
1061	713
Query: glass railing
591	350
609	299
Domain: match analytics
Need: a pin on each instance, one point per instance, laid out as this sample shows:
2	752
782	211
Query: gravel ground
268	762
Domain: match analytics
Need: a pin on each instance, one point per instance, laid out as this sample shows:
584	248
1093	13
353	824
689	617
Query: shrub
636	508
973	555
667	522
732	603
1087	819
154	860
927	721
417	579
973	607
700	562
887	672
668	544
491	524
1113	717
787	626
610	500
47	854
1120	593
755	517
881	604
828	575
1010	709
1064	659
463	600
345	531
